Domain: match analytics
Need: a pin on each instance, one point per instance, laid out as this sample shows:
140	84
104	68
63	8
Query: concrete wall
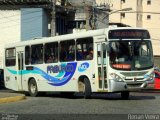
132	18
9	29
152	24
34	23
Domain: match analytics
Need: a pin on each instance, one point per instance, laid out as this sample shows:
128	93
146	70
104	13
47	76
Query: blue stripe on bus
62	78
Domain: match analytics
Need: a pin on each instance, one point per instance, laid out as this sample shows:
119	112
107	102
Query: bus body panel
64	76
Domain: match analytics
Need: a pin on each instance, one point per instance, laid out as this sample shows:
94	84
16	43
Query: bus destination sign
129	34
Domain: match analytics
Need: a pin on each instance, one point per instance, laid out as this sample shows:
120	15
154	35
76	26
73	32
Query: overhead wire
6	17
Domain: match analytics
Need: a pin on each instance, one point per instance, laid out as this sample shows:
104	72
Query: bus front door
20	69
102	66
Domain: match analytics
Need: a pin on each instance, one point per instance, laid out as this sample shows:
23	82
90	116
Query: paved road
139	103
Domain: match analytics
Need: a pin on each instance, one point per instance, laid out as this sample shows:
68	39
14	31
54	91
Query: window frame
55	56
148	2
148	17
84	51
64	46
29	55
37	59
10	56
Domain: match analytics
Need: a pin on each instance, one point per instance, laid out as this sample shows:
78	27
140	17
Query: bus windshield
131	55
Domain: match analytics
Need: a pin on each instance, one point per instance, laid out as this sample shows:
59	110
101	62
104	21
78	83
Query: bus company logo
64	73
83	67
60	68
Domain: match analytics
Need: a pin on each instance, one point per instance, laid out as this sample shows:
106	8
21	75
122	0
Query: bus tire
32	86
87	87
125	95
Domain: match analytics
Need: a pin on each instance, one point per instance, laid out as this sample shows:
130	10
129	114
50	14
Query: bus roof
83	34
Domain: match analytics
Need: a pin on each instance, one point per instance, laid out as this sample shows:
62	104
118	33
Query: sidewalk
10	96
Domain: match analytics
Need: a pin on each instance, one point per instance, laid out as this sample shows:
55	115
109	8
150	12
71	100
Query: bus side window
37	54
67	50
84	49
27	55
10	57
90	54
51	52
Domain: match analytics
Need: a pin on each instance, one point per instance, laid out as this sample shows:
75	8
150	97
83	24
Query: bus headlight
150	77
116	77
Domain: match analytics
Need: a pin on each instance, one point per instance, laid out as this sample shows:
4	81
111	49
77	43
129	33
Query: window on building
148	17
123	1
51	52
67	50
79	24
37	54
122	15
148	2
139	2
10	57
27	55
84	49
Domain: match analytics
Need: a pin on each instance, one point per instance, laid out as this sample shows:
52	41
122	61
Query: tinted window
27	55
37	54
67	50
10	57
84	49
51	52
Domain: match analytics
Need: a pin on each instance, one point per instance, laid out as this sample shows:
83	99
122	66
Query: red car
157	80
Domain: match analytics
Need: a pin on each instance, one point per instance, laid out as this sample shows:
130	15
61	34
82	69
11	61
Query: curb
12	99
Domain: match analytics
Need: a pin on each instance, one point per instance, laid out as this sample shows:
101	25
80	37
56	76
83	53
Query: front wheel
85	88
125	95
32	86
87	93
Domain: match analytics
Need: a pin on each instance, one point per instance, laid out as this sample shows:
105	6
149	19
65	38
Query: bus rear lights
116	77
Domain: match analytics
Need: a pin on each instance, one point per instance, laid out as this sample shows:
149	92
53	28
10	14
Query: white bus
105	60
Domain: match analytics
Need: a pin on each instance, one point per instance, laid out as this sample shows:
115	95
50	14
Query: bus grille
137	85
132	74
137	79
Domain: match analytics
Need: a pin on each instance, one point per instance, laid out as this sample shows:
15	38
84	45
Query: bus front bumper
130	86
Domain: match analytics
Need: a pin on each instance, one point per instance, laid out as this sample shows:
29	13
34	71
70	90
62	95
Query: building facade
144	13
25	20
9	29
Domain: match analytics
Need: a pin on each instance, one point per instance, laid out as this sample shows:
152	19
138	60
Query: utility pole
87	14
88	9
53	18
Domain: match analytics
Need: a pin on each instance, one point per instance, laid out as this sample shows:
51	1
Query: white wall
153	25
9	29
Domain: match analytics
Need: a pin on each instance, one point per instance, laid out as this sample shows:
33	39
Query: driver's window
143	50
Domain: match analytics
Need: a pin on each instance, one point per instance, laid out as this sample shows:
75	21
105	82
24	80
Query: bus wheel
33	91
125	95
87	91
85	87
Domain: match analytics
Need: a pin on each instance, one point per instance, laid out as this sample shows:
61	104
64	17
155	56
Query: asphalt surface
7	95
